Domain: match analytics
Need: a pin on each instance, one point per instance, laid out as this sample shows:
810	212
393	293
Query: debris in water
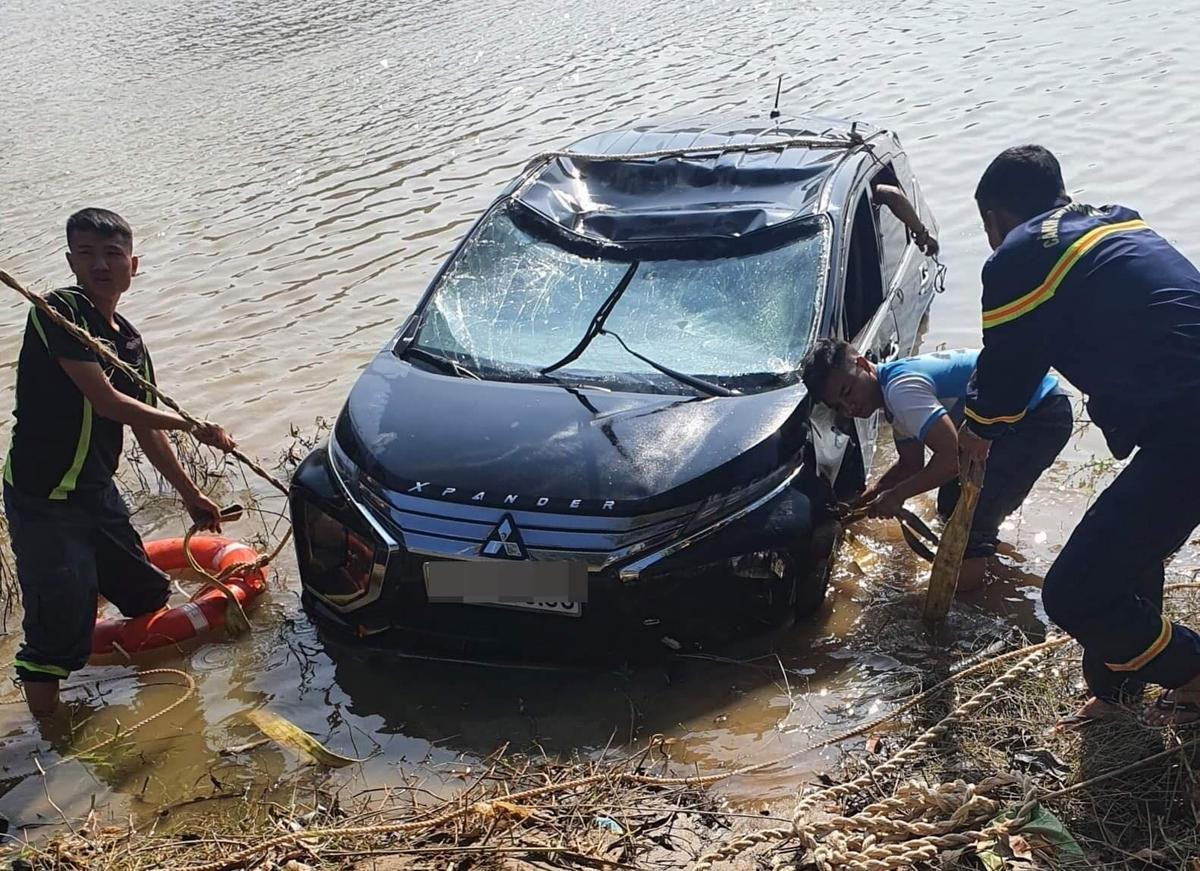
238	749
610	824
288	734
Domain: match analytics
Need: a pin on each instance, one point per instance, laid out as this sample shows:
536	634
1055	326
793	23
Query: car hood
541	446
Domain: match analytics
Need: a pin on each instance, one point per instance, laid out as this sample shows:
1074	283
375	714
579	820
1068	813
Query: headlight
338	564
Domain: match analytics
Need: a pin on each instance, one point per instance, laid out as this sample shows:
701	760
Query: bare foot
1094	710
42	698
1173	708
970	576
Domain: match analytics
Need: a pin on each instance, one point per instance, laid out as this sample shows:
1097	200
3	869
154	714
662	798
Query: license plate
550	587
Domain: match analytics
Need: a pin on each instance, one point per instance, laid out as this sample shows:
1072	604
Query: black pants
69	552
1105	588
1015	462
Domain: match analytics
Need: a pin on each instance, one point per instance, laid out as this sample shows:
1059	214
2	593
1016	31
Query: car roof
733	179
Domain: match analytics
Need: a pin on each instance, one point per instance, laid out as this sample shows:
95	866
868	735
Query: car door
907	272
871	325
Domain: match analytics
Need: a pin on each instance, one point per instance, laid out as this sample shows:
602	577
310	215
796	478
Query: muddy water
296	170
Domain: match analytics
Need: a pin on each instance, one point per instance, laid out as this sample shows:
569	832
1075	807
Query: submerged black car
594	416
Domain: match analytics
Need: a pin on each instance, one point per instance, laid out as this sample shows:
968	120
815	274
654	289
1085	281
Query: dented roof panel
723	194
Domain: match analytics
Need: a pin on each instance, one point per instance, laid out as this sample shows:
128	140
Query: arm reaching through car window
899	205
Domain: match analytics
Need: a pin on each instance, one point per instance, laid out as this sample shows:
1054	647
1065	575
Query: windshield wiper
690	380
597	325
447	365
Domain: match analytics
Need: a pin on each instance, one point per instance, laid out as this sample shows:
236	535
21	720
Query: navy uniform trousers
1106	587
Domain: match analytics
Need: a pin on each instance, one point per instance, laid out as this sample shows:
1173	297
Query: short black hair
102	222
1025	180
825	356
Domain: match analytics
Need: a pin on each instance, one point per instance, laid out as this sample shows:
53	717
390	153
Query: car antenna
778	88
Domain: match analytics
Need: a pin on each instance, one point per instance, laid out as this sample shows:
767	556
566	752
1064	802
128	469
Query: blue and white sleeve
912	400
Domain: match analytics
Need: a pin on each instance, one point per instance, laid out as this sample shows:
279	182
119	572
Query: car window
893	235
864	291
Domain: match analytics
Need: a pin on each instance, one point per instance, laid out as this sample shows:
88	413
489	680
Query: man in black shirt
70	528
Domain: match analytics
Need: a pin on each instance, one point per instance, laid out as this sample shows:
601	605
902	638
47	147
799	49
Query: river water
296	170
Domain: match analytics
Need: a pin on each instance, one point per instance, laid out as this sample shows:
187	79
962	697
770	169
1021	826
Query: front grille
456	531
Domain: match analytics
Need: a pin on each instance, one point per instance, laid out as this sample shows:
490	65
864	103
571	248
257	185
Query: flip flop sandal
1170	706
911	527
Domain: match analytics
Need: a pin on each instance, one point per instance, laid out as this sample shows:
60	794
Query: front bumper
646	575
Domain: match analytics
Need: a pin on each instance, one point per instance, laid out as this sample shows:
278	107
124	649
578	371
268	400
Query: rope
187	694
909	852
879	817
487	808
236	620
912	702
89	342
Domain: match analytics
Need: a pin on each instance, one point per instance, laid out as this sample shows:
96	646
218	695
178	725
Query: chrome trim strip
388	539
634	570
375	590
454	532
598	561
604	524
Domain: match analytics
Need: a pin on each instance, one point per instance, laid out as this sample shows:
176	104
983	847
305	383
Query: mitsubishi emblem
504	541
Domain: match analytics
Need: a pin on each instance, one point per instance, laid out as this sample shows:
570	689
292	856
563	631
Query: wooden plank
943	578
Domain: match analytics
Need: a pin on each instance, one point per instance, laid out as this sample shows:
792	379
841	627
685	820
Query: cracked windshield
540	434
516	304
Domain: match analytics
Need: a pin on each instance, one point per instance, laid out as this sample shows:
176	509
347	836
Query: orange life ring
197	617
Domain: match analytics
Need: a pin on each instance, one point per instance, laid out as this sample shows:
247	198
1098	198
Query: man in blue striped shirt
923	398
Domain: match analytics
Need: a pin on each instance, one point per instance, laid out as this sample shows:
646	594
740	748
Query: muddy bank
968	774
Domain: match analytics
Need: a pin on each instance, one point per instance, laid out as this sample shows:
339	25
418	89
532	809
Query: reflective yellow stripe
1046	290
148	374
68	296
67	484
43	669
37	325
1004	418
1159	645
65	296
71	478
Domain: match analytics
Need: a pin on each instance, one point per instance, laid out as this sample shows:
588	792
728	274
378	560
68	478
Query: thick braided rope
909	704
934	733
881	857
985	696
89	342
985	808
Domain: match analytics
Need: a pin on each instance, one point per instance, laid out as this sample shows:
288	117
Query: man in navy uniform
1096	294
